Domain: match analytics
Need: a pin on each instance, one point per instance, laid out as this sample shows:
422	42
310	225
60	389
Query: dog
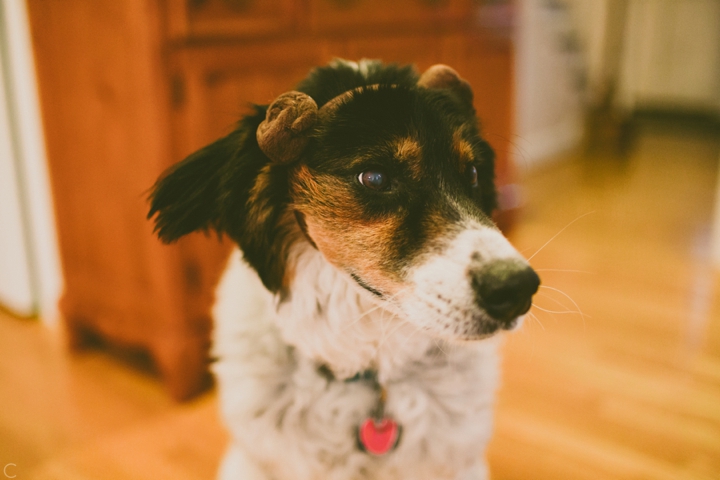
356	324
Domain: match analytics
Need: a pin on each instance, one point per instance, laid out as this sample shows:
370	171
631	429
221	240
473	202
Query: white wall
672	57
589	19
30	167
667	55
16	292
548	103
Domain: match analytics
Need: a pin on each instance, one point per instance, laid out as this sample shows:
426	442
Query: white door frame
31	163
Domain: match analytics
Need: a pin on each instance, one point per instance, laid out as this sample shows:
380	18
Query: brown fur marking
257	209
408	150
336	223
463	149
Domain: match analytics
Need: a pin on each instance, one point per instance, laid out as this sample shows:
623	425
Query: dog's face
396	189
394	186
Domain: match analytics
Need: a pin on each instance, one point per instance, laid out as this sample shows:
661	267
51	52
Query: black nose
504	288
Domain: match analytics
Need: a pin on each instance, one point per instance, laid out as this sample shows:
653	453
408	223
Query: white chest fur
288	421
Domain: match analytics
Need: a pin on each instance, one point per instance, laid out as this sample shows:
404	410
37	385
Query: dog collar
378	434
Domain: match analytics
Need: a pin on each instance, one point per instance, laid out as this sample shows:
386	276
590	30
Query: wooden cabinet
230	18
129	87
378	16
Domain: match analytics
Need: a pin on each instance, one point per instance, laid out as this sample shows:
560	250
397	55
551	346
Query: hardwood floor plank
630	389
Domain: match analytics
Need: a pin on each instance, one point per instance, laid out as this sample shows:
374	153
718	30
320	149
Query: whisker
558	233
540	294
532	315
363	315
375	308
561	270
407	339
401	322
384	338
569	298
556	311
435	340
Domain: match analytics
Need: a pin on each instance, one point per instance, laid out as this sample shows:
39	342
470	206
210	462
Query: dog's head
388	179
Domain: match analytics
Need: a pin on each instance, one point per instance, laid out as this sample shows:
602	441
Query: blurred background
605	115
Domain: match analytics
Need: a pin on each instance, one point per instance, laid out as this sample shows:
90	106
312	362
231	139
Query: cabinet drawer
347	16
198	19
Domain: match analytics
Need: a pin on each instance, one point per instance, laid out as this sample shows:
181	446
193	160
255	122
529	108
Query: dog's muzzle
504	288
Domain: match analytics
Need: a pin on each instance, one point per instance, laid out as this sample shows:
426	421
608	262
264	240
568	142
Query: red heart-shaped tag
379	437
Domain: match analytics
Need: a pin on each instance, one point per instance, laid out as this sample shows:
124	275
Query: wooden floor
627	389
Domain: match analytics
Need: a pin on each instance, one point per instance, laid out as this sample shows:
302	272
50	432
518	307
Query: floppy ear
193	195
233	187
443	77
186	197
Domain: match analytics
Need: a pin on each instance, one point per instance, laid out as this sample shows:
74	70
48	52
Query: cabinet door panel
217	86
231	18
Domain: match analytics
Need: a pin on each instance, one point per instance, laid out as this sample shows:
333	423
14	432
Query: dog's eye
374	179
472	175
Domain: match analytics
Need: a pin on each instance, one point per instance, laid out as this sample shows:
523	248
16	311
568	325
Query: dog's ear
283	134
186	197
193	194
443	77
233	187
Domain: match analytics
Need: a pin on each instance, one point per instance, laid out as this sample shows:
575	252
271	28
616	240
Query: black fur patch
214	188
361	137
185	198
325	83
233	188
